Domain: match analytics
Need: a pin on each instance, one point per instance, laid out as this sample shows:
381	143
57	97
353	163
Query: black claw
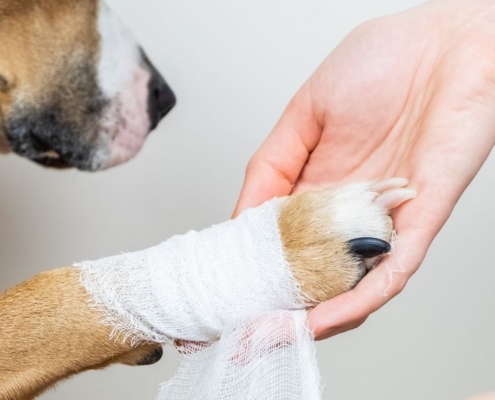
368	247
152	358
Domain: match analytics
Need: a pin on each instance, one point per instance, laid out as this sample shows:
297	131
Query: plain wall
234	64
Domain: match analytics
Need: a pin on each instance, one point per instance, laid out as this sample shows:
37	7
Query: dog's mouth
53	162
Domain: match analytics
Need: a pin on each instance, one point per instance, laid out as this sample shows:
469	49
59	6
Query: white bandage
229	285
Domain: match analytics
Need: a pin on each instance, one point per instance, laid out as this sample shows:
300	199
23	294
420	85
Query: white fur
355	214
123	80
119	53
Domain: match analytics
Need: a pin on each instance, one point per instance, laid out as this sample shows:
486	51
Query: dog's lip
51	162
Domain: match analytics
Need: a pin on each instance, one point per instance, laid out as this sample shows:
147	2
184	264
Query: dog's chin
125	147
107	152
90	160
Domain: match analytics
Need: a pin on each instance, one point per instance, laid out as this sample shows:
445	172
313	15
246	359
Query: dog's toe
332	237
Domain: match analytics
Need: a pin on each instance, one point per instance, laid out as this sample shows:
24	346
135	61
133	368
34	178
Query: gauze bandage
229	285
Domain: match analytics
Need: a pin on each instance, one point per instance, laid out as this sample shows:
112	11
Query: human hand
408	95
488	396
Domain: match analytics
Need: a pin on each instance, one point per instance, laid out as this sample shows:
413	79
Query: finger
349	326
350	309
276	165
417	223
488	396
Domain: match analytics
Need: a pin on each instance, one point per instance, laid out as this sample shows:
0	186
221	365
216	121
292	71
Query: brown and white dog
76	90
48	330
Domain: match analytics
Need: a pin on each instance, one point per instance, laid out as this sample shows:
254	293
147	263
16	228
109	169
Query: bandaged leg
242	286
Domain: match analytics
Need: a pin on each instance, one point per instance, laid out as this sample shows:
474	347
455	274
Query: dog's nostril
39	143
368	247
161	99
162	96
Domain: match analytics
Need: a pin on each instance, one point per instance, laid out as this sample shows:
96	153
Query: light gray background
234	64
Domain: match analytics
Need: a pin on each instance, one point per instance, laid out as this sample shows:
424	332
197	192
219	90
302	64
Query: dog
76	90
49	330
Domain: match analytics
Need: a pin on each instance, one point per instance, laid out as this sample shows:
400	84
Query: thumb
276	165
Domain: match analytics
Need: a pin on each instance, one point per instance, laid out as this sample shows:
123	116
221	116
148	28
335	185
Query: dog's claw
392	192
152	358
387	184
368	247
395	197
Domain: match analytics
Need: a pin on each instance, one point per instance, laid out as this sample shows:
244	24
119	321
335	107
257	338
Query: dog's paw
332	237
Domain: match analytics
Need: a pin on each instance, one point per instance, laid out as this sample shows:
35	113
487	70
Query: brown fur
317	253
48	332
37	36
48	70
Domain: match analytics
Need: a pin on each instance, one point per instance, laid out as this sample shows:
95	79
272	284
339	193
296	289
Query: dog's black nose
161	99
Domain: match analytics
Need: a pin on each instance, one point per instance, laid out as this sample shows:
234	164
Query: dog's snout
48	141
161	99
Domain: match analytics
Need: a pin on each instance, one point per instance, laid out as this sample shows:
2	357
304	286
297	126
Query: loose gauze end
228	285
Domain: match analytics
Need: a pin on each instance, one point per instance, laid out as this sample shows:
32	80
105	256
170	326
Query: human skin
410	95
488	396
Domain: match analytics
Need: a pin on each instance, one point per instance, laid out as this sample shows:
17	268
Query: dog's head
76	90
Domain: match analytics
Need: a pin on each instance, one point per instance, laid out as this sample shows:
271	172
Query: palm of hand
408	96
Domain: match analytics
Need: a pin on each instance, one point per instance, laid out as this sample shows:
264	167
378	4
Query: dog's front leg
288	254
48	332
